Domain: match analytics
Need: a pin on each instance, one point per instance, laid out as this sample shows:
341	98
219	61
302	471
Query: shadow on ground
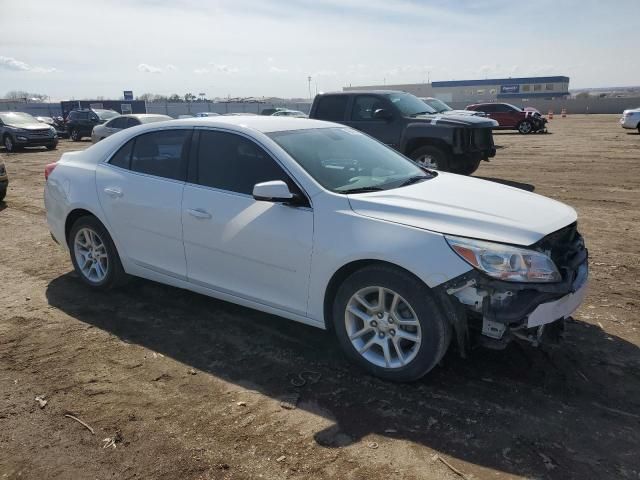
569	413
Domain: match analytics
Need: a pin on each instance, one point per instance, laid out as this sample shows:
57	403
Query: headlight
505	262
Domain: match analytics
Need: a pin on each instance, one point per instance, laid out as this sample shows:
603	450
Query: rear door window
117	123
332	107
162	154
131	122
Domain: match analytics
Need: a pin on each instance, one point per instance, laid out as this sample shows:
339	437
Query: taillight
48	169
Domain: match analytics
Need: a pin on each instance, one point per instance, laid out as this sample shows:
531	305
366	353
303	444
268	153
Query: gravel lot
193	388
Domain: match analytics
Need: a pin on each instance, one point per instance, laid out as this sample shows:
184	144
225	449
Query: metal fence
572	105
166	108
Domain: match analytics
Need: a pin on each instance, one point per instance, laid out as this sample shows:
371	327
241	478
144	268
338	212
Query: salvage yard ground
180	386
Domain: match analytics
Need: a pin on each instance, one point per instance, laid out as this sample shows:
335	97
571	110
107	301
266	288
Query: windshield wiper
420	113
362	190
415	179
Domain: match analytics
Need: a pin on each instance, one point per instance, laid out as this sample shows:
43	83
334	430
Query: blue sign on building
128	94
513	88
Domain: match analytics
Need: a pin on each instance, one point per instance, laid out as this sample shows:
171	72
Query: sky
72	49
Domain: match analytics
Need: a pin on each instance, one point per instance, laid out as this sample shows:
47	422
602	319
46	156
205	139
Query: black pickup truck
441	142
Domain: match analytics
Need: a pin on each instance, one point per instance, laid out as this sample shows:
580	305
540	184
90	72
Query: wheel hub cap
383	327
91	255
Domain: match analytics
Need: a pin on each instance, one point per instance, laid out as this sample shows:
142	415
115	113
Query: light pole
309	80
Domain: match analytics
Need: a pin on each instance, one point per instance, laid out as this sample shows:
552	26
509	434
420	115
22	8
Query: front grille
39	133
565	246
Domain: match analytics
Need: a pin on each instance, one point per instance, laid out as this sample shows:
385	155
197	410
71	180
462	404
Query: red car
510	117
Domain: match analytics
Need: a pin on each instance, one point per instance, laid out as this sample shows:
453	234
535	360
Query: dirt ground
193	388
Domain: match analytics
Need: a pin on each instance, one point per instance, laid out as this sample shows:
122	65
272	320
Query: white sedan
102	131
631	119
319	223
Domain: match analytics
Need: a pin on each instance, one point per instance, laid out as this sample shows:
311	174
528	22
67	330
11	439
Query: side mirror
274	191
381	114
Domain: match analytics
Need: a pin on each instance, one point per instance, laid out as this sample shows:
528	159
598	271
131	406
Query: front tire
525	127
468	167
9	145
3	193
52	146
431	157
387	321
94	255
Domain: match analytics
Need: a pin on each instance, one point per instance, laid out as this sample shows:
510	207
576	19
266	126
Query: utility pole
309	80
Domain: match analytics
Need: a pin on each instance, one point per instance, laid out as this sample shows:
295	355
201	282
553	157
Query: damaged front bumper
495	312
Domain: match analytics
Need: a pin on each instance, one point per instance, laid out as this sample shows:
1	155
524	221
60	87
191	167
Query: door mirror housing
274	191
382	114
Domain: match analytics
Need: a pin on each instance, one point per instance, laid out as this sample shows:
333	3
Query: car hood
454	120
31	126
468	207
463	113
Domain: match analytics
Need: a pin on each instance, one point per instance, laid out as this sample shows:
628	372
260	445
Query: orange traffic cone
563	112
550	114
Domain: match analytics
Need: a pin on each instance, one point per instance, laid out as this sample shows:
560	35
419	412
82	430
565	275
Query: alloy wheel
383	327
91	255
525	127
8	144
427	161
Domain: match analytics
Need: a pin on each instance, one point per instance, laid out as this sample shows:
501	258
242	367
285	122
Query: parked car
100	132
271	111
206	114
290	113
440	107
449	143
510	117
4	181
239	114
631	119
80	122
18	130
322	224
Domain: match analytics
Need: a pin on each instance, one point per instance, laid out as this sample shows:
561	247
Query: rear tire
3	193
408	321
51	147
94	255
525	127
431	157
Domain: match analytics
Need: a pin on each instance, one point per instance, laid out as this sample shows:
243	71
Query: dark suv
402	121
19	129
80	122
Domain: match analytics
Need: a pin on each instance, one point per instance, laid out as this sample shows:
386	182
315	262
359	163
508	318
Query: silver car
124	121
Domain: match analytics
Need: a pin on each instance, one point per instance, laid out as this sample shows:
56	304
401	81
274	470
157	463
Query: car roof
144	115
364	92
260	123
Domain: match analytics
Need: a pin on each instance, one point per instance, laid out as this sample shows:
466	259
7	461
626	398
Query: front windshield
438	105
106	114
17	118
410	105
344	160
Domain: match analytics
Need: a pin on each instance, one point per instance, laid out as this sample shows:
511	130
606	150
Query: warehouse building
487	90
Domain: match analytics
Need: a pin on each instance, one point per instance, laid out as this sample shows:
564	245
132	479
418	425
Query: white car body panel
468	207
257	250
277	258
630	118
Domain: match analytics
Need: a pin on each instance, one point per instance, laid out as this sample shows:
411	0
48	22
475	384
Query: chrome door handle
113	192
198	213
